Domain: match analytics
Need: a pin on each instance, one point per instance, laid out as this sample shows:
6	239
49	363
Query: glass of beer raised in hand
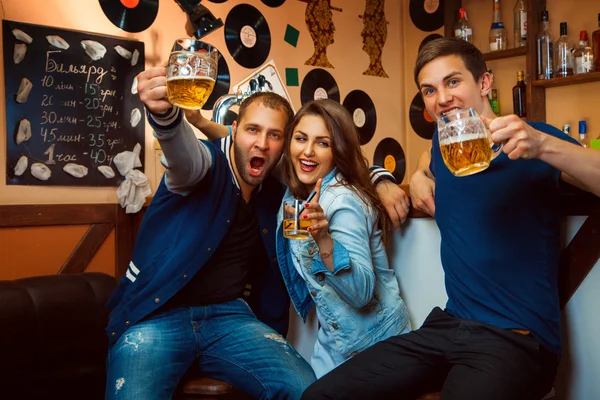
465	142
191	73
294	226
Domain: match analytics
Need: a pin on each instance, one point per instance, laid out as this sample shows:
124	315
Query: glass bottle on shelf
545	54
493	95
519	96
494	102
498	40
583	55
564	54
520	26
596	45
583	139
567	129
463	29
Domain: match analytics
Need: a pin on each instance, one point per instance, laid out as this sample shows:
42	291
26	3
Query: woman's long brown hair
347	155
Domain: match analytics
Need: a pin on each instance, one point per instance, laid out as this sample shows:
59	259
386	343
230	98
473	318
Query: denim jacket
360	298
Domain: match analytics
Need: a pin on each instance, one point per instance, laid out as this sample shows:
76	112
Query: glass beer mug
465	142
191	73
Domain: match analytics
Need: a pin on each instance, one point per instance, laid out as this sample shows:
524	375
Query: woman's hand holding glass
319	228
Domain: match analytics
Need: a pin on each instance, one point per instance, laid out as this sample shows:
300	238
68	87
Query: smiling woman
310	150
342	266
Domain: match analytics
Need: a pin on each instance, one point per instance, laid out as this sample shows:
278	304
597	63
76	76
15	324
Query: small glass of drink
294	226
191	73
465	142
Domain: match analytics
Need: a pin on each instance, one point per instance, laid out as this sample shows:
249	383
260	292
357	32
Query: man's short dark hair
270	100
470	55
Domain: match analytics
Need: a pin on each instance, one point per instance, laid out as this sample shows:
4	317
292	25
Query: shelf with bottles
569	80
508	53
496	47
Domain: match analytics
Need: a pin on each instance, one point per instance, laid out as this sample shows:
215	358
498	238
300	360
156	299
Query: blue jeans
226	340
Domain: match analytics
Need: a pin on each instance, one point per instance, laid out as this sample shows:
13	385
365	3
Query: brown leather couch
52	339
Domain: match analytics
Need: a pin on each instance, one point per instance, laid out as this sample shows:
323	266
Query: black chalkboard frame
98	132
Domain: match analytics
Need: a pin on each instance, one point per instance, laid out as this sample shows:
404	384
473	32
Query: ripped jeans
226	340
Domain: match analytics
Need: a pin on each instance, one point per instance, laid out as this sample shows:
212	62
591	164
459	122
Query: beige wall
345	54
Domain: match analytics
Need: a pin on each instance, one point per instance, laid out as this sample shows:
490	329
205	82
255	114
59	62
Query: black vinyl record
361	108
427	15
222	83
390	155
247	36
429	38
319	84
130	15
420	120
273	3
229	117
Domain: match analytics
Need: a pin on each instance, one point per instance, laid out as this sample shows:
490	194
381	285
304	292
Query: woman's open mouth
308	166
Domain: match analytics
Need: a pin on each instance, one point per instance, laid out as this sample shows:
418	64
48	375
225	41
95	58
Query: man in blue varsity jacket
208	239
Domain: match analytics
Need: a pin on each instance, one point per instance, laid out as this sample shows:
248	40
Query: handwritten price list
72	105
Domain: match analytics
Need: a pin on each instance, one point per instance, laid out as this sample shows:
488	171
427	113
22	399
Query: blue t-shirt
500	244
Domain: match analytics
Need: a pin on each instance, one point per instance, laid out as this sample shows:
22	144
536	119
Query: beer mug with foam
191	73
465	142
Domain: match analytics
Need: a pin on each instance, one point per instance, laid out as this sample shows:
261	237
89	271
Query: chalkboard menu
71	105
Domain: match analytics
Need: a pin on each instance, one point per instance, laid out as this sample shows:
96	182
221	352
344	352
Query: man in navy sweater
205	246
498	337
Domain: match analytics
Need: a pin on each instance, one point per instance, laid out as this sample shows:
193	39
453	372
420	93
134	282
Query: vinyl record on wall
429	38
319	84
247	36
229	117
222	83
130	15
390	155
361	108
427	15
420	120
273	3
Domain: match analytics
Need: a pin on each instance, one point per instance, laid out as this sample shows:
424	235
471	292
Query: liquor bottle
494	102
583	139
520	27
564	54
463	29
497	32
519	96
567	129
545	49
493	95
583	55
596	45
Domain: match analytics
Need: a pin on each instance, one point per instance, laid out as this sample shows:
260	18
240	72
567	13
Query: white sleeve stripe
129	276
134	268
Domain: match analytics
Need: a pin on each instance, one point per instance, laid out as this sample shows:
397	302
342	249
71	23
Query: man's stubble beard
242	163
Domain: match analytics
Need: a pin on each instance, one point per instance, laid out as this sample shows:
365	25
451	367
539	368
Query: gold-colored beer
468	156
190	92
296	229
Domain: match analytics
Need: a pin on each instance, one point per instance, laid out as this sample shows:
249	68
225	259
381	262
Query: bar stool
431	396
198	387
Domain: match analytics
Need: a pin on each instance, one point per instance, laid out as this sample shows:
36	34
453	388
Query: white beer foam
462	138
207	78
